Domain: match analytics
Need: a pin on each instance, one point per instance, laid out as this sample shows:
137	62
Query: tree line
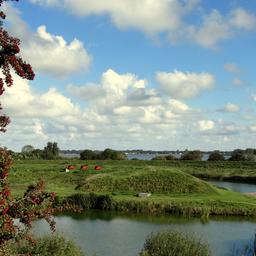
248	154
51	151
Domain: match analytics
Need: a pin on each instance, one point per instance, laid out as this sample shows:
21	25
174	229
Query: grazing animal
97	167
84	167
71	167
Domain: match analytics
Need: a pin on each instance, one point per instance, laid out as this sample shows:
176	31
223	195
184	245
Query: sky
134	74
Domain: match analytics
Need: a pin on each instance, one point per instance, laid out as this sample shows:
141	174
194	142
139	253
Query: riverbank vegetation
169	243
55	245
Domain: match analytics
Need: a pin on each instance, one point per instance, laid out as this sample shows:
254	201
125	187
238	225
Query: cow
97	167
84	167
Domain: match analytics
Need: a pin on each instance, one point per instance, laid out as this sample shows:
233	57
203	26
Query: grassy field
173	188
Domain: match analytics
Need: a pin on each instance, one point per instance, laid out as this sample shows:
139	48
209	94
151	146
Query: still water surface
113	234
235	186
118	234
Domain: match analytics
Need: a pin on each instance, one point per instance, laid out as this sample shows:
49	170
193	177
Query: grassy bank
173	189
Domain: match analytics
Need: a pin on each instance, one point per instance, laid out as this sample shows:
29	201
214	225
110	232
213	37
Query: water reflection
115	234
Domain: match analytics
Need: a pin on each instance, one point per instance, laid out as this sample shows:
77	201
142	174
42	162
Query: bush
88	155
192	155
243	155
159	158
171	243
168	157
55	245
110	154
171	157
216	156
90	201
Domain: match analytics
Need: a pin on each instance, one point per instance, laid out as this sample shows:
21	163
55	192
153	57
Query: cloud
48	53
112	119
231	108
164	16
252	128
148	16
232	68
113	89
216	27
242	19
206	125
213	29
237	82
181	85
253	96
21	101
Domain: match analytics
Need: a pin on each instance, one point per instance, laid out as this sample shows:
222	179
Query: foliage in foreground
172	243
55	245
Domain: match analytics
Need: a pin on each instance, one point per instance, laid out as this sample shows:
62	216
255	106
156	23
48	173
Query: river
116	234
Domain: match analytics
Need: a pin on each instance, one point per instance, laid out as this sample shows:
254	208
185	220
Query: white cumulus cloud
180	85
46	52
164	16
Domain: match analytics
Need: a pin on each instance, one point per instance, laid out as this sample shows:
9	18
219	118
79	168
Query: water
115	234
238	187
148	156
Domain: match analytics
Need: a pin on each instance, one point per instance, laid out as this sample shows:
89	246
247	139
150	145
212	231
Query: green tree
27	149
111	154
237	155
216	156
192	155
243	155
88	154
51	151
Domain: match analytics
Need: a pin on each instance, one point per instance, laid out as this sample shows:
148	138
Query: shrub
171	157
55	245
243	155
88	154
216	156
237	155
159	158
110	154
192	155
90	201
171	243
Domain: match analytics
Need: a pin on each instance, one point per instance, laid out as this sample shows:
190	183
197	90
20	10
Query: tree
27	149
243	155
51	151
111	154
237	155
35	203
216	156
88	154
192	155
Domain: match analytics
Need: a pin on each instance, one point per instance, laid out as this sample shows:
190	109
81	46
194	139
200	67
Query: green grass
172	188
151	179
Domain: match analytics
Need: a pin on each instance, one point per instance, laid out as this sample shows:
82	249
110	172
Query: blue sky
151	74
